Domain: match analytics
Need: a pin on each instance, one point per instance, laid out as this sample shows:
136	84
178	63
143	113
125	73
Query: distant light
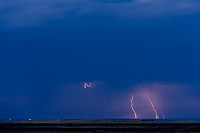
10	119
58	119
29	119
90	85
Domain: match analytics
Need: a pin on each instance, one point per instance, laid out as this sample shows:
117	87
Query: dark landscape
98	125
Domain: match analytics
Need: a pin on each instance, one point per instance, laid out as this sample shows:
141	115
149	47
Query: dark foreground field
99	125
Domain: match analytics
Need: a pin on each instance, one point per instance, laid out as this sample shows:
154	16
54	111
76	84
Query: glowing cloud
167	100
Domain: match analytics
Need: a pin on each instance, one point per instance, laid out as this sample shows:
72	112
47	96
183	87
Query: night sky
145	48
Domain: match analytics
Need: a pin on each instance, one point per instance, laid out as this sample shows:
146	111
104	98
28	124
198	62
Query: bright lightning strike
153	108
132	107
90	85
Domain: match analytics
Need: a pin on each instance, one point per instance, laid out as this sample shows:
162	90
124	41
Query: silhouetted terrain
99	125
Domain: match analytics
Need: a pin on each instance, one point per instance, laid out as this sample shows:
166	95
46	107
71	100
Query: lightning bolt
132	107
89	85
153	108
161	112
162	115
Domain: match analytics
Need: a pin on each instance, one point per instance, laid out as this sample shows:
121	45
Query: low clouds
151	9
172	99
27	13
31	12
72	101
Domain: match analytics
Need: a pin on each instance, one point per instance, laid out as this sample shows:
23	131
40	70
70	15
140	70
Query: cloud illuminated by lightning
132	107
156	117
90	85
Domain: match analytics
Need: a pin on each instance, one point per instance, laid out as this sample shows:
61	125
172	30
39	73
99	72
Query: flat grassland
98	125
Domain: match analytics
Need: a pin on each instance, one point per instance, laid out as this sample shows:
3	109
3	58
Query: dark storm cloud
52	47
26	13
